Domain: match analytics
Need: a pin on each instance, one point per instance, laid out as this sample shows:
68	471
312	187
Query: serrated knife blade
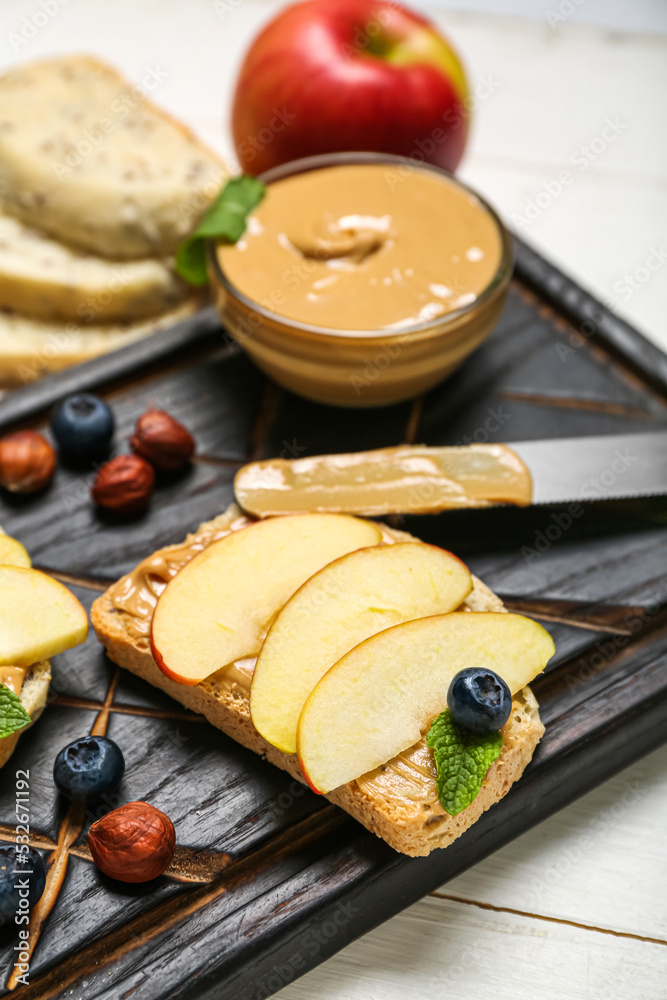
610	467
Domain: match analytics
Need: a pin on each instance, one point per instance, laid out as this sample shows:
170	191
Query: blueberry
12	869
479	700
83	426
89	768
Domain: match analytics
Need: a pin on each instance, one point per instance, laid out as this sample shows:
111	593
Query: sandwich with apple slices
39	618
328	643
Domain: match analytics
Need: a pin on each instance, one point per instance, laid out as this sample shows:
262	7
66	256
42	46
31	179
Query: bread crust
410	825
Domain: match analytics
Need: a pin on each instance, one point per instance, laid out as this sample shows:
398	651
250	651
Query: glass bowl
360	368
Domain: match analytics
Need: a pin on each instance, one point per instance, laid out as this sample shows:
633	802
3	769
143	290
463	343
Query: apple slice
219	607
12	553
382	696
349	600
38	617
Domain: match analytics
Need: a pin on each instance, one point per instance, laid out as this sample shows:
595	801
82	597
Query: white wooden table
575	909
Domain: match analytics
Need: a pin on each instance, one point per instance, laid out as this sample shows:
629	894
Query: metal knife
412	479
596	468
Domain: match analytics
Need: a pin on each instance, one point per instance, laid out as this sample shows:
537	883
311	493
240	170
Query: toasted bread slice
32	348
398	801
33	698
48	280
85	156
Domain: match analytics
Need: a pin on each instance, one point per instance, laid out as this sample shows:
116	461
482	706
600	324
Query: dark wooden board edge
199	334
590	317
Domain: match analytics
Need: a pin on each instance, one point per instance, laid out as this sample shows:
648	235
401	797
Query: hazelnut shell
27	462
134	843
124	484
161	440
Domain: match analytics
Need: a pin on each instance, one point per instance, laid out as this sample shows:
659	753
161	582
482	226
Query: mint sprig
462	759
13	715
225	220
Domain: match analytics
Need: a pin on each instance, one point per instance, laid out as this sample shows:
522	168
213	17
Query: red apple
333	75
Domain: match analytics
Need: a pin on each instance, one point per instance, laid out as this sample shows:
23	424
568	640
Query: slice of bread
86	157
398	802
32	348
33	698
48	280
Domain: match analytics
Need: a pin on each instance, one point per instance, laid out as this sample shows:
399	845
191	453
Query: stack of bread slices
98	186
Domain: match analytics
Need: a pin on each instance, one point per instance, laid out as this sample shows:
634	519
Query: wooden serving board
269	879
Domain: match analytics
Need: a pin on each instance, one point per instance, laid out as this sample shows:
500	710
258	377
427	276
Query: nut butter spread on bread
398	801
33	691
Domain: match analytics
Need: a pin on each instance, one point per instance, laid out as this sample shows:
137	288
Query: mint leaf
190	261
462	759
13	715
225	220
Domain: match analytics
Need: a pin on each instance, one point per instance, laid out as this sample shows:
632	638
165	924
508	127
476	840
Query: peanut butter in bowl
362	279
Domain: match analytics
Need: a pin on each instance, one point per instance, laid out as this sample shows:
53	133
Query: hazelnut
134	843
27	462
162	440
124	484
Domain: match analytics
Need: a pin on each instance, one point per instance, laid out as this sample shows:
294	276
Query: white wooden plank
550	93
617	15
599	861
439	948
564	142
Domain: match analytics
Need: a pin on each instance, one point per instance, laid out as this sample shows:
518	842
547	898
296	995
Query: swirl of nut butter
350	239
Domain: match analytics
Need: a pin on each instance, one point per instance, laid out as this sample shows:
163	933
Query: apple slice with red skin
381	697
218	608
39	617
349	600
339	75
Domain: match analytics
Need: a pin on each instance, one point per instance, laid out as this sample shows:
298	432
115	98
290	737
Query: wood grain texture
461	945
575	855
591	318
293	880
